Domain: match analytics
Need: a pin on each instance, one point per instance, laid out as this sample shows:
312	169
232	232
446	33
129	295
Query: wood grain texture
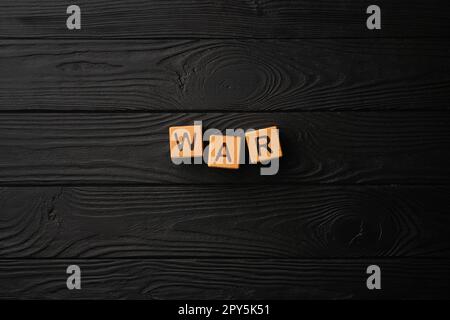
225	279
86	177
320	147
225	75
229	19
226	222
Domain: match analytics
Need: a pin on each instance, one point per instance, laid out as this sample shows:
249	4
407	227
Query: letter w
185	142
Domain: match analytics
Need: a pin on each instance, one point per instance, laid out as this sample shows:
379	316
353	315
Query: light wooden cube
224	151
186	142
263	144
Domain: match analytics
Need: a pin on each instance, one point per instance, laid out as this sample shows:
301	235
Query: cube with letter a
186	142
263	144
224	151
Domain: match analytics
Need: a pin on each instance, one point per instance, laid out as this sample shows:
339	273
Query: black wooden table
86	177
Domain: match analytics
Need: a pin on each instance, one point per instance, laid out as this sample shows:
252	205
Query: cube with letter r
224	151
263	144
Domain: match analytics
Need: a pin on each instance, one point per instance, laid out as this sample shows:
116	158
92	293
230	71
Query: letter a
374	281
224	151
74	280
263	144
374	20
74	20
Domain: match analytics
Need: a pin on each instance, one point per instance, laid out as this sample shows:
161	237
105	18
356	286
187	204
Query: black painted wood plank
225	75
230	18
224	221
225	279
318	147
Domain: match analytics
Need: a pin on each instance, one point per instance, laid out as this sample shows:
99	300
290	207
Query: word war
225	151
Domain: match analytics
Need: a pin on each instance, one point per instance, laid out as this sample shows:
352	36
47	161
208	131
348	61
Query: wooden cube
263	144
186	142
224	151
